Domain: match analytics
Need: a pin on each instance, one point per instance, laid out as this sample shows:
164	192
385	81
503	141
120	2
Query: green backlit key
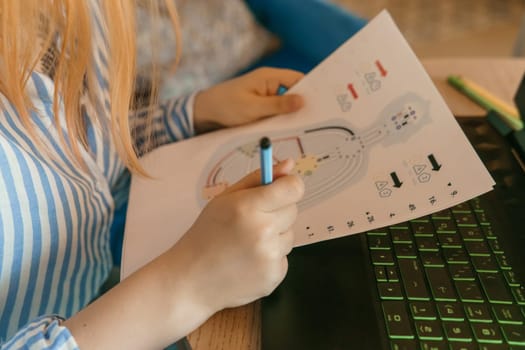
461	208
519	294
422	229
442	215
400	235
495	288
405	251
378	232
485	263
376	242
449	240
422	310
427	244
440	284
479	248
514	334
503	262
380	274
471	233
488	232
495	246
432	259
413	280
390	291
510	277
482	218
445	226
397	321
469	291
455	256
450	311
382	257
508	314
478	313
461	272
400	226
391	274
457	331
487	333
465	219
429	330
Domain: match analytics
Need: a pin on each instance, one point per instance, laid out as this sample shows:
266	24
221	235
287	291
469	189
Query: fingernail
284	166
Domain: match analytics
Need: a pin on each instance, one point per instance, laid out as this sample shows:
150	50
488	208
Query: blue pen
266	161
281	90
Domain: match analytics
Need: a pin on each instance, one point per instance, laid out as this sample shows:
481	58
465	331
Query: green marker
470	91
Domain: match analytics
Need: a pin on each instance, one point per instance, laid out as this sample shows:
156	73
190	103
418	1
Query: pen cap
265	143
496	120
266	161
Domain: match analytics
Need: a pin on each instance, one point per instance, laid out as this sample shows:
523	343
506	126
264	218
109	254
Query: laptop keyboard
445	283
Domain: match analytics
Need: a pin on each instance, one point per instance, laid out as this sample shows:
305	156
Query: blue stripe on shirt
36	240
82	185
34	325
50	204
173	117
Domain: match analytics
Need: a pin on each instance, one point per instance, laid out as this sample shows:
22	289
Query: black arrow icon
397	183
433	161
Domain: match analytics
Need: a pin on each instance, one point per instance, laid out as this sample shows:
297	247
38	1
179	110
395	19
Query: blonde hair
71	21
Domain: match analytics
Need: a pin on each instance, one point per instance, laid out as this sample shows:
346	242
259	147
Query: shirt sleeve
172	120
43	333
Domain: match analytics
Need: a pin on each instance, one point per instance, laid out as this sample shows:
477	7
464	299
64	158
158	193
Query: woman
66	82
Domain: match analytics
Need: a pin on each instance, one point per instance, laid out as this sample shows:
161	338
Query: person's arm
152	308
172	121
234	253
234	102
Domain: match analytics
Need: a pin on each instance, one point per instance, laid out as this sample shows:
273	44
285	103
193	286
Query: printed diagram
328	157
368	80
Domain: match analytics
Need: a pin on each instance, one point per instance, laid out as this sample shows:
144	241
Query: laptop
451	280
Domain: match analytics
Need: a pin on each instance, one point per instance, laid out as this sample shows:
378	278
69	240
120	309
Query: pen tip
265	142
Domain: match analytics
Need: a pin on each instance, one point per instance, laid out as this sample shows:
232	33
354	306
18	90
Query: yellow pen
496	101
487	101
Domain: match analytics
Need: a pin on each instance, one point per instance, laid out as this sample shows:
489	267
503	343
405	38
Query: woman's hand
236	250
246	98
234	253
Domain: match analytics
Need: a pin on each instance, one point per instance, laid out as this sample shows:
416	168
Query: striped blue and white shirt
55	218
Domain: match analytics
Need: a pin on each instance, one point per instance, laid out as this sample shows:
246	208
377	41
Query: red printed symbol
382	70
352	91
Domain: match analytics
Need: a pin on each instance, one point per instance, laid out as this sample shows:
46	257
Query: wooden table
236	329
501	76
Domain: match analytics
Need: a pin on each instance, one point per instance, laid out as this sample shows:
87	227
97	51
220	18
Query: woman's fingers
254	178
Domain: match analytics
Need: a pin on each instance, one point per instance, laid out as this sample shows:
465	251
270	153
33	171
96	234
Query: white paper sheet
375	144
